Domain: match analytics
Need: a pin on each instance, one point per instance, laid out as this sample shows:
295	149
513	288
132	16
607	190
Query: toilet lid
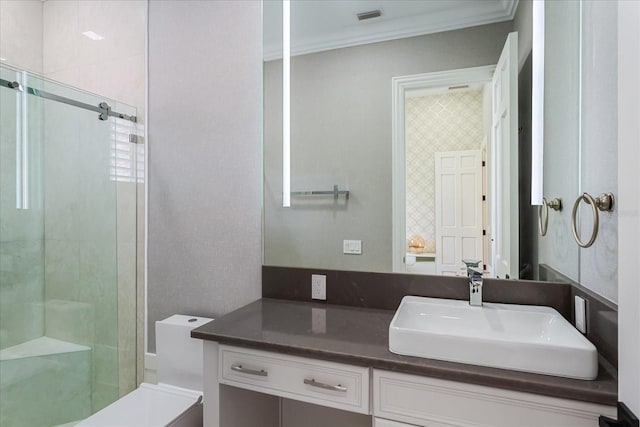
149	405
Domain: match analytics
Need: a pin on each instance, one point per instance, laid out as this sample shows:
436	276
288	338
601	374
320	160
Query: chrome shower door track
103	109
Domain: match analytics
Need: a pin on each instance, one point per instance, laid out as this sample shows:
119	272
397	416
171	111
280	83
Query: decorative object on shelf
416	244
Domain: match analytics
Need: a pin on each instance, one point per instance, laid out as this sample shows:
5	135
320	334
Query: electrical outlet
319	286
318	320
581	314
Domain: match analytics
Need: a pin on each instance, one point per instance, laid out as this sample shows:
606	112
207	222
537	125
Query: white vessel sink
519	337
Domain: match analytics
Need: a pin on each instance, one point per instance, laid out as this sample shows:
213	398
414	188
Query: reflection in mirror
557	250
342	133
446	134
454	147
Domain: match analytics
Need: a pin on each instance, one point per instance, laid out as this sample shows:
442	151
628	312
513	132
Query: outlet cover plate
581	314
319	287
318	320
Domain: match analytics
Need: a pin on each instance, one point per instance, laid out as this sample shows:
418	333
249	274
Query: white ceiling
318	25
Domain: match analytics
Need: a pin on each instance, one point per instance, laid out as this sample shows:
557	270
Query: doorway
445	128
500	176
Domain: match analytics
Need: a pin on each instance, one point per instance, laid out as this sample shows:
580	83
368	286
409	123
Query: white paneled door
503	164
458	209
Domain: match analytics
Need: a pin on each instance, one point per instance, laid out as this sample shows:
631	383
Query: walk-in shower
70	163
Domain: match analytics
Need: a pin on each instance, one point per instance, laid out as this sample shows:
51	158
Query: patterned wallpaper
442	122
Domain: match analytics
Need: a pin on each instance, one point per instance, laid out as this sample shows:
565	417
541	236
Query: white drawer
336	385
439	403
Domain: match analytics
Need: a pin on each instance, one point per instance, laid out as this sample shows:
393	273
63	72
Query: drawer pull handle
239	368
314	383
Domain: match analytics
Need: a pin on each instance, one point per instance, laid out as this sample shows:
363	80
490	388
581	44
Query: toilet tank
178	356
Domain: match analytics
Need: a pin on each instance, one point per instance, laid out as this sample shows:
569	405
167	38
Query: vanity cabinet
424	401
335	385
385	398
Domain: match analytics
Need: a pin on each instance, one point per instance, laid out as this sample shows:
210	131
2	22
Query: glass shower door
59	276
21	245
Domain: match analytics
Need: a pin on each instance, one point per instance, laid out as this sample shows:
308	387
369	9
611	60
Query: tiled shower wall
21	231
115	68
436	123
21	240
80	240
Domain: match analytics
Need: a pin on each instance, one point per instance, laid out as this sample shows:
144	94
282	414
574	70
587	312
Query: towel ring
556	205
604	202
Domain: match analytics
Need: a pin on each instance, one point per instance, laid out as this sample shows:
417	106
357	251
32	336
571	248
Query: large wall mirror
401	108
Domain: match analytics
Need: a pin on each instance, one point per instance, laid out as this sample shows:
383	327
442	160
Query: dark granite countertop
360	336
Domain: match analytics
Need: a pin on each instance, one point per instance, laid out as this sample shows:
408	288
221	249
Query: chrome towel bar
335	192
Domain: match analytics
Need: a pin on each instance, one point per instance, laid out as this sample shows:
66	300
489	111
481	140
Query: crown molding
476	13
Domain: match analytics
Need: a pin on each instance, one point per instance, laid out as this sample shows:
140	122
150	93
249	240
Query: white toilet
177	399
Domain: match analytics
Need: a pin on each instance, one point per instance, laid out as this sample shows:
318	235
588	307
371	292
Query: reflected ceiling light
22	145
537	104
3	59
92	35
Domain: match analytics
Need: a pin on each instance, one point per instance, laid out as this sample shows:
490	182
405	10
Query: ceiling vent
368	15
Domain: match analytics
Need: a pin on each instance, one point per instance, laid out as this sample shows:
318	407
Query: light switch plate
352	247
581	314
319	286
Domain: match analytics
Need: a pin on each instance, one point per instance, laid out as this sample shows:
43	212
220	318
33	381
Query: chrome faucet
475	282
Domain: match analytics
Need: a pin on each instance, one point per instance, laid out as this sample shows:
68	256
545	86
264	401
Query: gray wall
204	250
523	24
341	134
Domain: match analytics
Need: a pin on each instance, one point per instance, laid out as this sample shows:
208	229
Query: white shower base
44	382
